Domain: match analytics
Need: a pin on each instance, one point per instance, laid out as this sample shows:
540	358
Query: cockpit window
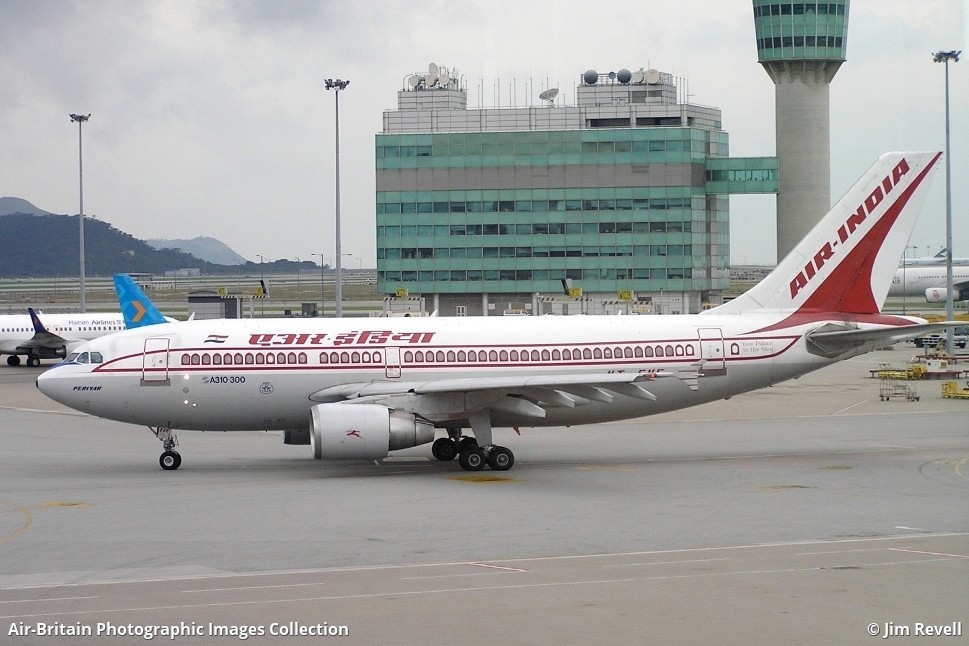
72	356
83	357
96	357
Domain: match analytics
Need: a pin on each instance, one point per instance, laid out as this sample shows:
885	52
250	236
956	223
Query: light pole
338	85
322	293
262	287
298	299
79	119
945	57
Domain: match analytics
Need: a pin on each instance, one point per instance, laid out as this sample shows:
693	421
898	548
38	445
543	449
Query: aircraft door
712	350
154	367
392	363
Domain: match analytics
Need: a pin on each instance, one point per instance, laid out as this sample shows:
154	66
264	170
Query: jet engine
363	431
940	294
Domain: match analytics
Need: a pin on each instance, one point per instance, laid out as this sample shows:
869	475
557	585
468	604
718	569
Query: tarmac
812	512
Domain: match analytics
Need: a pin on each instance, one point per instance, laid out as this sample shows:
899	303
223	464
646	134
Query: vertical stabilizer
847	261
136	307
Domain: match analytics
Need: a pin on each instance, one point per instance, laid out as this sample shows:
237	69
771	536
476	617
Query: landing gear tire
170	460
501	459
466	443
473	459
444	449
13	361
33	362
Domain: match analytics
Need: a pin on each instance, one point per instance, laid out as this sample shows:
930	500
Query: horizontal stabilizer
829	342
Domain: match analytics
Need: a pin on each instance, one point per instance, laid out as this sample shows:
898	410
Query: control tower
801	46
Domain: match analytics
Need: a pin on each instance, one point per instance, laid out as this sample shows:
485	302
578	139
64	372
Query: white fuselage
915	280
257	375
75	329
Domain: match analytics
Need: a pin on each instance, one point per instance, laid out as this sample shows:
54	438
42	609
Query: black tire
472	459
33	362
444	449
466	443
170	460
13	361
501	459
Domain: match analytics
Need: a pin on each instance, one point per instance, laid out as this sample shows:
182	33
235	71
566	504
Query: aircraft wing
43	338
829	341
528	396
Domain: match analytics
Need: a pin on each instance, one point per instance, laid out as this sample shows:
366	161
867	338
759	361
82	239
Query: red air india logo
847	230
353	433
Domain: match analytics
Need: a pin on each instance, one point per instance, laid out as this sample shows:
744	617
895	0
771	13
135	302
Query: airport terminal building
618	203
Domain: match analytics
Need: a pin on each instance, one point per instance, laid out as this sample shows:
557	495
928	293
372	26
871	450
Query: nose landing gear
170	459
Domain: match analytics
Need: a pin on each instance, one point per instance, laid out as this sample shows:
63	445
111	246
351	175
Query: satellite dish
549	95
612	76
652	76
590	77
444	80
433	70
624	76
638	76
430	80
414	80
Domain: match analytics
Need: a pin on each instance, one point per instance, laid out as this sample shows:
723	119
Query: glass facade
610	209
801	30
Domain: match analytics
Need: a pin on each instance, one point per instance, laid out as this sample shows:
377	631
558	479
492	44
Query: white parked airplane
359	388
57	335
54	338
936	260
930	280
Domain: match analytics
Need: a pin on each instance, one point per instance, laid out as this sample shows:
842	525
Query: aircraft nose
48	383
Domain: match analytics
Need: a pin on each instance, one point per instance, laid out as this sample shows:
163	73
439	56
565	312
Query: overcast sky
210	118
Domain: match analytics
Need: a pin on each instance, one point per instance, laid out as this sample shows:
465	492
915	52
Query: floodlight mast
338	85
79	119
945	57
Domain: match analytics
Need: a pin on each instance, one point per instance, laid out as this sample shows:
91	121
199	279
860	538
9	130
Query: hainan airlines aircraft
54	337
57	335
359	388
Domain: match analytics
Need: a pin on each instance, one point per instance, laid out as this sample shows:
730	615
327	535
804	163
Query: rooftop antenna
549	96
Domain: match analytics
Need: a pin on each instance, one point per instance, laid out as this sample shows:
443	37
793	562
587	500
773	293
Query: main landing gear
170	459
33	361
471	456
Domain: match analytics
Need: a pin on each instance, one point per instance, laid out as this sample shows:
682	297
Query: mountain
208	249
10	205
41	244
47	245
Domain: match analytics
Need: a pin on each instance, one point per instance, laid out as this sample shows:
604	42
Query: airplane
356	389
930	281
57	335
937	259
53	338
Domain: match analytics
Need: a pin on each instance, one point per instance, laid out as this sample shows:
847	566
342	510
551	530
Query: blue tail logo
136	307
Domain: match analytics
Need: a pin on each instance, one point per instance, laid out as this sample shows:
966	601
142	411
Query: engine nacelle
941	294
363	431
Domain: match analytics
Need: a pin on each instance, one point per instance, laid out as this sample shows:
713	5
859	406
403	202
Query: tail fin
847	261
136	307
39	327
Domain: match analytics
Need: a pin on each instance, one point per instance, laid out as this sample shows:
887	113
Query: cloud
210	118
